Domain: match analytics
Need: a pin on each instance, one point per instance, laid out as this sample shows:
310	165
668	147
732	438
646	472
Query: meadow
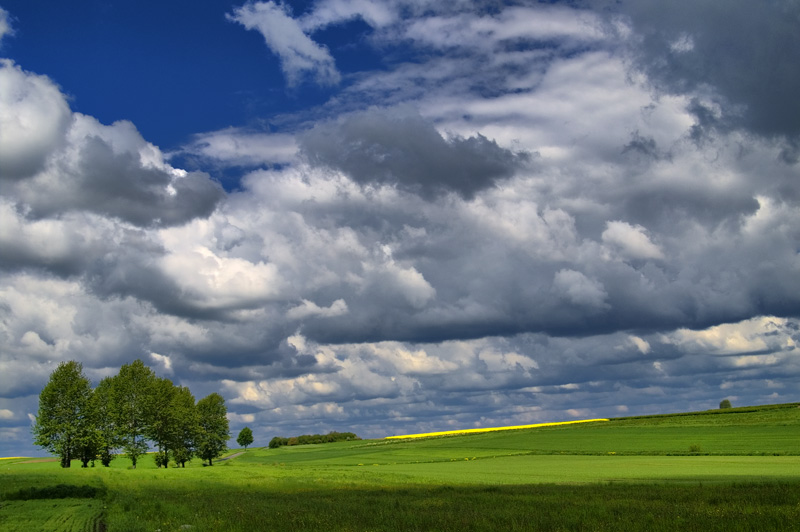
735	469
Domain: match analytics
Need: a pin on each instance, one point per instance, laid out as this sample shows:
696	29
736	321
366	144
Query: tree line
279	441
127	412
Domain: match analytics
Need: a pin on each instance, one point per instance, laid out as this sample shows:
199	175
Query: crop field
737	469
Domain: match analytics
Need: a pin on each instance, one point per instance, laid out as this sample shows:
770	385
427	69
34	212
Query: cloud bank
526	213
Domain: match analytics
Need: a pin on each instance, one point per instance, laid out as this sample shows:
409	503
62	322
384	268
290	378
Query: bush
725	403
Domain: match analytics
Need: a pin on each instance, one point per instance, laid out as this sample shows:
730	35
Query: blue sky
397	216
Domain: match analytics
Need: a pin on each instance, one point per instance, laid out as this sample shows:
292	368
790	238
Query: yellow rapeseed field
492	429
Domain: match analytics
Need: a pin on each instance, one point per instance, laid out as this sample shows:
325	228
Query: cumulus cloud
515	223
55	162
34	117
402	149
300	56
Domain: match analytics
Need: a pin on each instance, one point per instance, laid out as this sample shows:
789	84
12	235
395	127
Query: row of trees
279	441
127	412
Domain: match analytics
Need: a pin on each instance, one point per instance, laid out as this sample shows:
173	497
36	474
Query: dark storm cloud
745	51
400	148
118	185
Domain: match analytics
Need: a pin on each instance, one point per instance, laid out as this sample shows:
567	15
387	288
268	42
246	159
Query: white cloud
309	308
210	281
5	25
234	146
300	55
326	12
6	414
34	117
631	240
764	334
163	361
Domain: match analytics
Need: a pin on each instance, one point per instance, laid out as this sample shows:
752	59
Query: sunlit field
732	470
490	429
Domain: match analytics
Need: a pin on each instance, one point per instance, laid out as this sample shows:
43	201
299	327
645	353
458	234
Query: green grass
623	474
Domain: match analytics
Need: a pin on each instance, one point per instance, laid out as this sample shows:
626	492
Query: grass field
737	469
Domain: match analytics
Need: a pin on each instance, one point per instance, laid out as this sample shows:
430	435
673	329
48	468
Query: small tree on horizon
245	437
725	403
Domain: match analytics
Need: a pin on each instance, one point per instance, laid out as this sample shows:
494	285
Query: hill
716	470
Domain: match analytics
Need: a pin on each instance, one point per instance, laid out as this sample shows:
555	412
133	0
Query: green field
736	469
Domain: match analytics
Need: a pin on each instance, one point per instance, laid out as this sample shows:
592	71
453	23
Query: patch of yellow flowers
491	429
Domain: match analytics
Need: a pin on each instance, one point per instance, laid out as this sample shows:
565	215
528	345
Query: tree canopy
127	412
64	424
245	437
213	427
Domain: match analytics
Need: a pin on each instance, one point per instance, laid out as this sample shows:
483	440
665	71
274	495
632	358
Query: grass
737	470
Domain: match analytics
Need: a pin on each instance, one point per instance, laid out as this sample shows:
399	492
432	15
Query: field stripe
491	429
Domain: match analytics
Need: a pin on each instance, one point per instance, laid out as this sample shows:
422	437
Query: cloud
5	25
112	171
326	12
503	224
631	240
239	147
579	289
309	308
400	148
690	47
54	162
300	56
34	117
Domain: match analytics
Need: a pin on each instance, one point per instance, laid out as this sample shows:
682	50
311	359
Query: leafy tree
212	427
105	426
245	437
162	426
725	403
64	423
132	406
185	415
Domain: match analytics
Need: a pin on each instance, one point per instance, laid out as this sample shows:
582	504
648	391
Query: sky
401	216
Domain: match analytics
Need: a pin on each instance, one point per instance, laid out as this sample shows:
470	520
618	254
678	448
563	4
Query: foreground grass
624	474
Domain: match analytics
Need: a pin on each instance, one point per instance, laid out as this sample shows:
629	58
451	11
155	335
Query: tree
102	410
63	424
245	437
161	424
185	415
725	403
212	427
132	405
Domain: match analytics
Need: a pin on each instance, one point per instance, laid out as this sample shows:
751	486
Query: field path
234	455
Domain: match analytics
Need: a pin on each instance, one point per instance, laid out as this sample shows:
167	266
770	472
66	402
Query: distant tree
185	435
212	427
63	425
132	406
245	437
725	403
